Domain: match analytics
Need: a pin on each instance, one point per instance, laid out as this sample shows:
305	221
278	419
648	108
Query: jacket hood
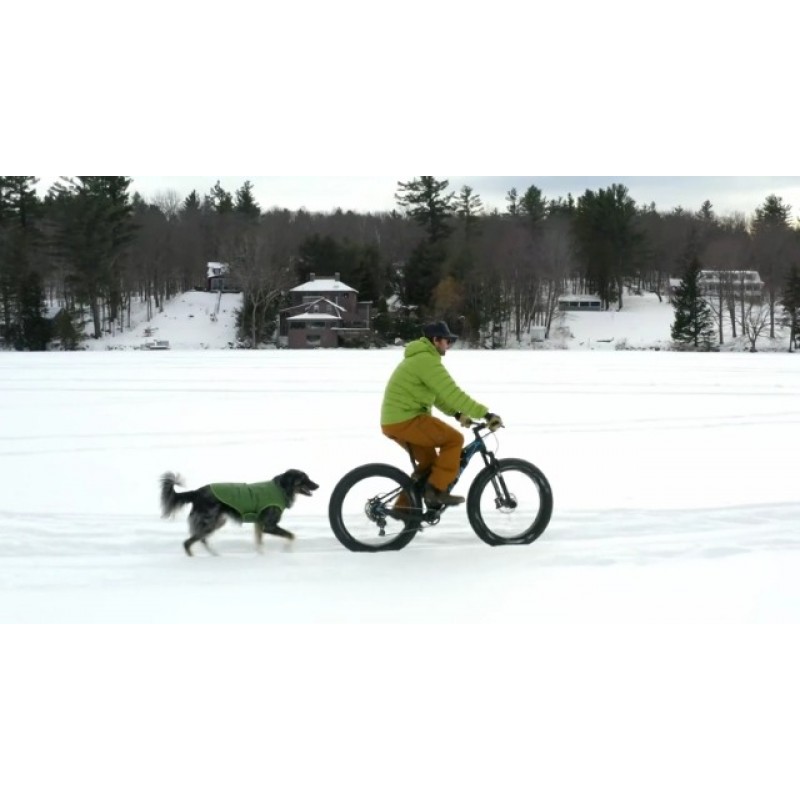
418	346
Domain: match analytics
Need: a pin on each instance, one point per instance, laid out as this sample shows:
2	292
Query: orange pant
421	436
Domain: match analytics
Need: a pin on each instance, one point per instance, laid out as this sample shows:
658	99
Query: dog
213	504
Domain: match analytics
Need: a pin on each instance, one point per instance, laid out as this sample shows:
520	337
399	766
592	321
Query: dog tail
171	500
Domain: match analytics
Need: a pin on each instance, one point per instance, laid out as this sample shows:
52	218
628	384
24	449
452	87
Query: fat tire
483	479
348	482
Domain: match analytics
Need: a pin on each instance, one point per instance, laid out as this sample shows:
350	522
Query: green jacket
421	382
250	499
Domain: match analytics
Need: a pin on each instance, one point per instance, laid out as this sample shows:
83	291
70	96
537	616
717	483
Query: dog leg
269	524
208	547
259	534
187	545
203	521
283	533
221	520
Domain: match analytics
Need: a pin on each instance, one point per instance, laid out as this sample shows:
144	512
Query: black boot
436	499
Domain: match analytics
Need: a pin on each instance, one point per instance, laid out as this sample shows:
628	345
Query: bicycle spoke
510	503
372	509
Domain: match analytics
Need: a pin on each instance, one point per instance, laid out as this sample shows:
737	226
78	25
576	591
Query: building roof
324	285
313	316
216	268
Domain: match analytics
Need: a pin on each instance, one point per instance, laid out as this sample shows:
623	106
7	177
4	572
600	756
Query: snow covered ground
190	321
667	469
618	652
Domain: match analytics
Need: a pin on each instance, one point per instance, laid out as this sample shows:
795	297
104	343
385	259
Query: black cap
438	330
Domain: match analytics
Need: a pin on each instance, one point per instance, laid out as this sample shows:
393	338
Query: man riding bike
419	383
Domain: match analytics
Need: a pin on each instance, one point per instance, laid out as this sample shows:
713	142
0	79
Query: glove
493	422
465	421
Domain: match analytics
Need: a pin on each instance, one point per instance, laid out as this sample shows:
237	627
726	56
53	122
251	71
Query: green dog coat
250	499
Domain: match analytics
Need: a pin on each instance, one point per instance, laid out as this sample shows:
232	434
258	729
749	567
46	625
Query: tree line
91	249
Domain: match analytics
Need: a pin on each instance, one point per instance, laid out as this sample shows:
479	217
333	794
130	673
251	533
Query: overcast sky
727	194
574	91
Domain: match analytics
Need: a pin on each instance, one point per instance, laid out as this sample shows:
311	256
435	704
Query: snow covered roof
324	285
215	268
313	316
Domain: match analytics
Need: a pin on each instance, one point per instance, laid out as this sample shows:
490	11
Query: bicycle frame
477	445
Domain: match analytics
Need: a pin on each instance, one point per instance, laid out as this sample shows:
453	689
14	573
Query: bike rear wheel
509	503
363	509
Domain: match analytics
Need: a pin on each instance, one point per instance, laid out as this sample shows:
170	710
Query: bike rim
510	505
367	512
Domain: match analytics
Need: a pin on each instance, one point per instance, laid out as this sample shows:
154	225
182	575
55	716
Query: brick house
323	312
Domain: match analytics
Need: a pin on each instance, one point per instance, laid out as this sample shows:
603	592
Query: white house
745	283
580	302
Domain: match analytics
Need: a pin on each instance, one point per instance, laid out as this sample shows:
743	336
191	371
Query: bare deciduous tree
262	271
168	202
754	321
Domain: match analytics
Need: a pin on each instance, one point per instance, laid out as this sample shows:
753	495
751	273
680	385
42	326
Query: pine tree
192	202
791	303
95	225
773	243
219	199
246	204
421	273
533	205
20	242
33	330
608	239
66	329
513	208
468	207
426	202
693	324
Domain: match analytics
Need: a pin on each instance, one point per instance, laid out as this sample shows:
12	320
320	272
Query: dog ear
286	480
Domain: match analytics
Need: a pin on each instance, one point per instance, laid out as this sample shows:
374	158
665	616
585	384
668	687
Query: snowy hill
643	323
191	321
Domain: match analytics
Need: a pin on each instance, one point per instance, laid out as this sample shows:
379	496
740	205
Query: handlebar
480	426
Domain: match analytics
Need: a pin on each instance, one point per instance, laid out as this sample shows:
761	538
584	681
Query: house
580	302
218	278
743	283
324	312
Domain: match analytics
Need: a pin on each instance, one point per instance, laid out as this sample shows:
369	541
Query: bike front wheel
509	502
375	507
